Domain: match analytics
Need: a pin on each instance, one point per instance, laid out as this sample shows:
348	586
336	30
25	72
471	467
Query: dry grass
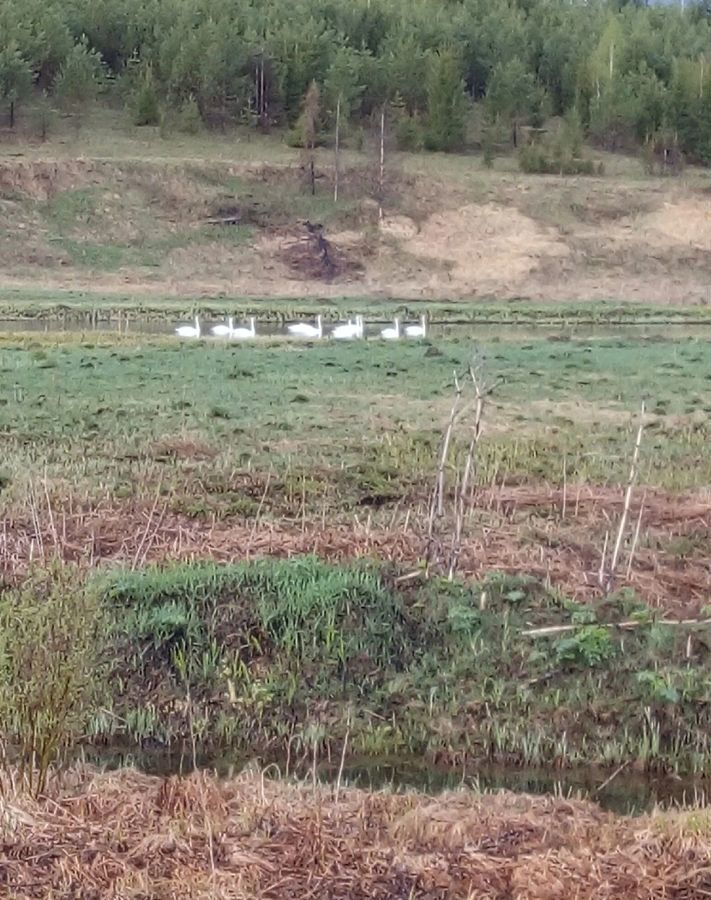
561	551
458	231
126	835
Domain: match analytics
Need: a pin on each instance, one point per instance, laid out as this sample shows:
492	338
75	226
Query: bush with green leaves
50	646
146	109
589	647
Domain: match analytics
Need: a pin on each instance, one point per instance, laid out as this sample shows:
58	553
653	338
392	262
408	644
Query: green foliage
49	646
657	688
513	94
628	69
343	82
446	103
81	76
303	607
278	646
306	131
591	646
146	110
188	119
409	132
487	145
15	77
43	116
542	159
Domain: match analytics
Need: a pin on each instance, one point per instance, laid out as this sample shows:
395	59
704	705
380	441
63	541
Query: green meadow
102	412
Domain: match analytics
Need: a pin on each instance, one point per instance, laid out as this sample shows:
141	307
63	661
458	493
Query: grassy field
122	451
103	410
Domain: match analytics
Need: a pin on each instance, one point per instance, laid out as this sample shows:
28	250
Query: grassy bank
128	835
116	310
295	654
292	659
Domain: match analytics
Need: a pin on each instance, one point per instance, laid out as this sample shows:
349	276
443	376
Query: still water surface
628	793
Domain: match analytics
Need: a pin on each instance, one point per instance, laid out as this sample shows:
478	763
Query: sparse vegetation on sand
126	835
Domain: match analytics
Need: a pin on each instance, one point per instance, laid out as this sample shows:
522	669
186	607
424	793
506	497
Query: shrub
146	111
589	647
541	159
188	119
409	133
49	646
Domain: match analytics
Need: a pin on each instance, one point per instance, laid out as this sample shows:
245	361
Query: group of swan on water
347	331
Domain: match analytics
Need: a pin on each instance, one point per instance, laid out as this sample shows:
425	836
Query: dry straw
126	835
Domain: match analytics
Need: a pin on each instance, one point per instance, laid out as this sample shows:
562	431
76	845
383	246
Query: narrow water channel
486	332
627	793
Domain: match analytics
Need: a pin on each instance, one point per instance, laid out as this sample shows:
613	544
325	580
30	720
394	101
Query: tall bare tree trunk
338	148
381	179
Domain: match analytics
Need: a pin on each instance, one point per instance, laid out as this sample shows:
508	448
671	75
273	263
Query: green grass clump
291	652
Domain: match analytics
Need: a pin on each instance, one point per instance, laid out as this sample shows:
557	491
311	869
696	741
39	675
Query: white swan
391	334
189	330
349	331
417	330
242	334
223	330
303	329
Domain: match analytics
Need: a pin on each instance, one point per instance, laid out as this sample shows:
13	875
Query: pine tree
446	103
146	110
15	78
307	127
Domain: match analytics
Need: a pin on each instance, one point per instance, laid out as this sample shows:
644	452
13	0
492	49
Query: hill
117	211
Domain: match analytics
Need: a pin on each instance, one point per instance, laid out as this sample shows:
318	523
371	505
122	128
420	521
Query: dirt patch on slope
684	223
44	179
486	247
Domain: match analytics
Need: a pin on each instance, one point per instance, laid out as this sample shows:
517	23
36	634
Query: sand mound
126	835
399	227
687	222
486	247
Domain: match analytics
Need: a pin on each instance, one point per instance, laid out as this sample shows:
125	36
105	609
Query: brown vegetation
126	835
527	529
447	234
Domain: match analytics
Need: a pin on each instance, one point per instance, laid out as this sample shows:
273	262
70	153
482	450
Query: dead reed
126	835
523	533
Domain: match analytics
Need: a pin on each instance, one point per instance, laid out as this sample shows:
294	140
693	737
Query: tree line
622	74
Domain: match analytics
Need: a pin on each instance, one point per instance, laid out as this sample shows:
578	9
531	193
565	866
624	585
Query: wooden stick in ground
337	151
635	539
628	499
603	559
343	762
565	486
460	499
437	504
627	625
381	174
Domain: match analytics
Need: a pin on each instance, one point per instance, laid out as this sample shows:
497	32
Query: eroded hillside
198	228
